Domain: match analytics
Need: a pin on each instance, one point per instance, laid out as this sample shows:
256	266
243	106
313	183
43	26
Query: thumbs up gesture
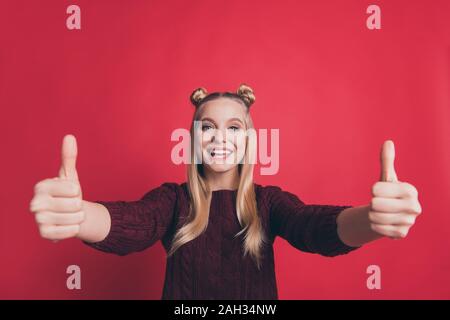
395	205
57	202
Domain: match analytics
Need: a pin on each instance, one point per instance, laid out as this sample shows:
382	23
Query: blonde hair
200	194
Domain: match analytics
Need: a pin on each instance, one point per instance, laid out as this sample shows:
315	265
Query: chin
220	168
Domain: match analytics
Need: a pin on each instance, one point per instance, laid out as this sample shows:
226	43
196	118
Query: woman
218	228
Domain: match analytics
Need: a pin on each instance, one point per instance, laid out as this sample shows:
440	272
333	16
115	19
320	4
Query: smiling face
222	134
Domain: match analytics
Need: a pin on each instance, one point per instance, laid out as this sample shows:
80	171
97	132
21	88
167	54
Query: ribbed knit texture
212	266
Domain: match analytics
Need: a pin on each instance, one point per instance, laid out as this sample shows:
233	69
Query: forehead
223	109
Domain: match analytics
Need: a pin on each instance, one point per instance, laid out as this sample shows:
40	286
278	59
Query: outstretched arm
392	212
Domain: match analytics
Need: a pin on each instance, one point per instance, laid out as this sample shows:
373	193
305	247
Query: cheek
206	138
240	145
239	141
203	137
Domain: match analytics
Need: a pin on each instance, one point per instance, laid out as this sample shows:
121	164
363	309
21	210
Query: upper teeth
221	152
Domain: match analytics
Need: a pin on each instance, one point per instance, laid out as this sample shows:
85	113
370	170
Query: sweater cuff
333	245
111	243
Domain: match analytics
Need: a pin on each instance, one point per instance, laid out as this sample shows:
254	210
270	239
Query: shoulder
275	194
170	190
268	190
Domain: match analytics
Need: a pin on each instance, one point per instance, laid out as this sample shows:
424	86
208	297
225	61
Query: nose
218	136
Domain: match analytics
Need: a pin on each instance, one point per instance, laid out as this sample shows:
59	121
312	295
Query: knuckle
375	228
407	220
46	232
40	218
410	189
374	203
375	218
33	204
412	220
76	188
38	187
375	188
414	206
38	203
419	209
41	186
402	233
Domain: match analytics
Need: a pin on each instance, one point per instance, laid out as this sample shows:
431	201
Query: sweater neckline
222	191
225	191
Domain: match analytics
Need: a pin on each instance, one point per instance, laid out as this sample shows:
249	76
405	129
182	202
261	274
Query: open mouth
220	153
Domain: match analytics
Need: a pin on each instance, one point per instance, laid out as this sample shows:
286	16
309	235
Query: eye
206	127
234	128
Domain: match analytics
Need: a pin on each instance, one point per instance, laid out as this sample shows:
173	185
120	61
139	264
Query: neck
228	180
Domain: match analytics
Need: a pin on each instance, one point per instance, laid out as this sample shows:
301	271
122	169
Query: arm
96	224
354	226
116	226
132	225
309	228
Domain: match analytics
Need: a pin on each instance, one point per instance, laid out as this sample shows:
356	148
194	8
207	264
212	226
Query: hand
57	202
395	205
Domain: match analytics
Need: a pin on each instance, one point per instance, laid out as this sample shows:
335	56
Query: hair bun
246	94
198	95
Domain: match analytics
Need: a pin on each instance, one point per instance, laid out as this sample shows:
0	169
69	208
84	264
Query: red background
121	84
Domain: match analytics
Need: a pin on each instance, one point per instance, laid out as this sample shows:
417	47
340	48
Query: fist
395	205
57	203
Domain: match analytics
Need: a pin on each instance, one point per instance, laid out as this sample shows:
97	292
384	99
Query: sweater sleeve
309	228
136	225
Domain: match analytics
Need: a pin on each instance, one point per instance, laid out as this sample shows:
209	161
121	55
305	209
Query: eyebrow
229	120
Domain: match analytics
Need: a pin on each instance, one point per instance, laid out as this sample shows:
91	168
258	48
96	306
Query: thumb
387	158
68	158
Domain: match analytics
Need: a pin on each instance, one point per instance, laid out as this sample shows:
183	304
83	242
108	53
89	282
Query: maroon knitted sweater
212	266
